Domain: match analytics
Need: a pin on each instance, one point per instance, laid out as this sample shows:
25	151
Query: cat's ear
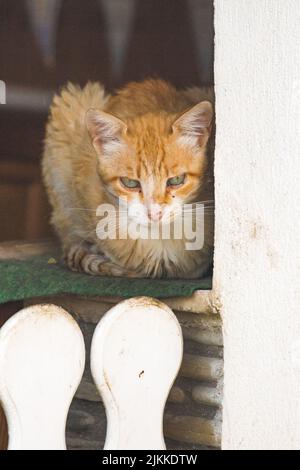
106	131
194	126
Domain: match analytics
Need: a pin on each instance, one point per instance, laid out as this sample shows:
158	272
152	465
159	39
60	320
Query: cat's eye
176	180
130	183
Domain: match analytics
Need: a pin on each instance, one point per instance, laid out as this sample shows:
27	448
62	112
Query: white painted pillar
42	359
257	256
136	354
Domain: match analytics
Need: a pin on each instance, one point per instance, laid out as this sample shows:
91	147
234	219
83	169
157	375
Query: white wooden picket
42	358
135	356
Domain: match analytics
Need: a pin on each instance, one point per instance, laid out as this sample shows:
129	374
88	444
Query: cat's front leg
85	257
101	266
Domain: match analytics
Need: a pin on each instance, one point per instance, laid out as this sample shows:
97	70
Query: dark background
171	39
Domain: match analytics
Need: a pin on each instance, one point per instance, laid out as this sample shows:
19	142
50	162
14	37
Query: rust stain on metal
107	382
52	311
144	301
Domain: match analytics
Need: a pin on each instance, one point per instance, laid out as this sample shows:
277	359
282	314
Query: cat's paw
98	265
75	256
84	257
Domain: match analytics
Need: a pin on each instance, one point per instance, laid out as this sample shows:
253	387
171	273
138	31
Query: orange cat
145	151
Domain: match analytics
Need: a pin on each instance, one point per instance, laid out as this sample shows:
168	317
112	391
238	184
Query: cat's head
156	161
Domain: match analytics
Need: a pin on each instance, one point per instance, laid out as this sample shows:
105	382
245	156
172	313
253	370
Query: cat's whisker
198	209
202	202
80	209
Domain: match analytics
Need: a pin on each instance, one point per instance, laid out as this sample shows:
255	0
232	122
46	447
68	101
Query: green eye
176	180
129	183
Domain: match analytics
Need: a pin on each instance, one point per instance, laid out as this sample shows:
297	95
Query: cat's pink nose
155	214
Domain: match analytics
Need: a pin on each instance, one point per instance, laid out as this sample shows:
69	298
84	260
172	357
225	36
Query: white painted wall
257	257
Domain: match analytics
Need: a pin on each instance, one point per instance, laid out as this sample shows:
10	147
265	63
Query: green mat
35	277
